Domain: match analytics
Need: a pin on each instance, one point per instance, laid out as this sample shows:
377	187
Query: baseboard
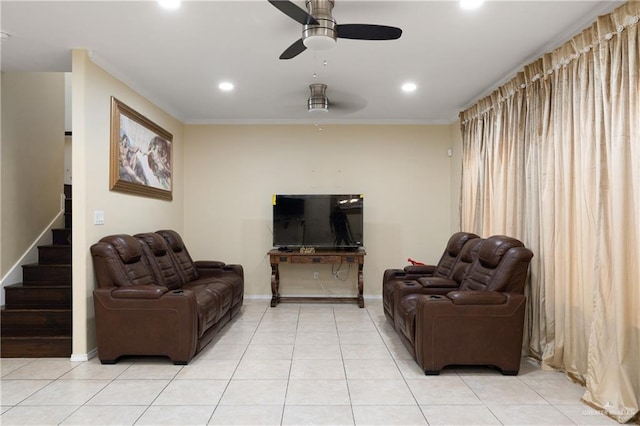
373	297
84	357
257	297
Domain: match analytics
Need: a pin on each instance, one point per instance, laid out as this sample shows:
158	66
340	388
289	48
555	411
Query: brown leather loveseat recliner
476	321
444	268
153	299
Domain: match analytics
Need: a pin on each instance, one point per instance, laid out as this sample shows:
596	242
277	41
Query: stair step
39	274
35	322
35	347
58	254
19	296
61	236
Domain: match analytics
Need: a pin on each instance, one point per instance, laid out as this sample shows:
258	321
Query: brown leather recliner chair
135	315
444	269
481	322
217	271
438	285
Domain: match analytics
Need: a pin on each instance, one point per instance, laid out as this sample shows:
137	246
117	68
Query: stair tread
46	285
48	265
44	337
4	308
39	285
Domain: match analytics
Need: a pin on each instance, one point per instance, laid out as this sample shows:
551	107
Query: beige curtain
553	158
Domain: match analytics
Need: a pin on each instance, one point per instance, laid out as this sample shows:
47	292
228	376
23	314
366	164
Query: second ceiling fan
321	31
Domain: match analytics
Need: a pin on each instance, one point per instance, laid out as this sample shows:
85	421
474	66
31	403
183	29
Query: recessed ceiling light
225	86
470	4
169	4
409	87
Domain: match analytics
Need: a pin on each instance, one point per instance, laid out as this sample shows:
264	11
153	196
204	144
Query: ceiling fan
320	31
322	101
340	102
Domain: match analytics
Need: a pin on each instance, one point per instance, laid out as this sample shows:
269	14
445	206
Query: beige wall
92	88
32	159
224	177
231	173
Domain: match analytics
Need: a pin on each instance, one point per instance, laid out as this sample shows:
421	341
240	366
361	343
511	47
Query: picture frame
141	154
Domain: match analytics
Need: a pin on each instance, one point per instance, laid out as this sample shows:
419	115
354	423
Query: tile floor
327	364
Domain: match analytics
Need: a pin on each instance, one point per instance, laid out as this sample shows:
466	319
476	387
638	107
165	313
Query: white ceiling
177	58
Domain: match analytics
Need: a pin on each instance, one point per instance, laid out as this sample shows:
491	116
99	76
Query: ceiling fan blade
294	12
368	32
344	102
294	50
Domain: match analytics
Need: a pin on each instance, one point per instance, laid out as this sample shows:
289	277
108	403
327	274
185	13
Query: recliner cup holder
435	297
410	283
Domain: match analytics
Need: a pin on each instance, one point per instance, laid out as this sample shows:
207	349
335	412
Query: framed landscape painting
141	154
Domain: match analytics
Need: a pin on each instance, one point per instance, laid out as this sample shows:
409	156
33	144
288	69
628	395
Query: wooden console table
276	257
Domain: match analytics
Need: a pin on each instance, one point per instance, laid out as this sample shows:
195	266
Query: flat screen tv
323	221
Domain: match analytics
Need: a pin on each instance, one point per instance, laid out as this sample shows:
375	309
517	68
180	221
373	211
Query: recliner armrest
438	282
420	269
208	264
221	270
471	297
145	291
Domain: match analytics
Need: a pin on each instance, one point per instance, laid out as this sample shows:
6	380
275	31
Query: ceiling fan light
319	42
318	105
318	101
322	36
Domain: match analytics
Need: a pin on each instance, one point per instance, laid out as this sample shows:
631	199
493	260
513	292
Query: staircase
36	319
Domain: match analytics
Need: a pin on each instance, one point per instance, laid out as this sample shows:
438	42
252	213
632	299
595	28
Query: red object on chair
415	262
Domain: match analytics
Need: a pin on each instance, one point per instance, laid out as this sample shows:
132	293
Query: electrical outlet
316	274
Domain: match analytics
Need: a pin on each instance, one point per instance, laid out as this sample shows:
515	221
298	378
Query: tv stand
276	257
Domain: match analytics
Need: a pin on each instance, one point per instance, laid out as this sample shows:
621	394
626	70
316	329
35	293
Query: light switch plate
98	217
